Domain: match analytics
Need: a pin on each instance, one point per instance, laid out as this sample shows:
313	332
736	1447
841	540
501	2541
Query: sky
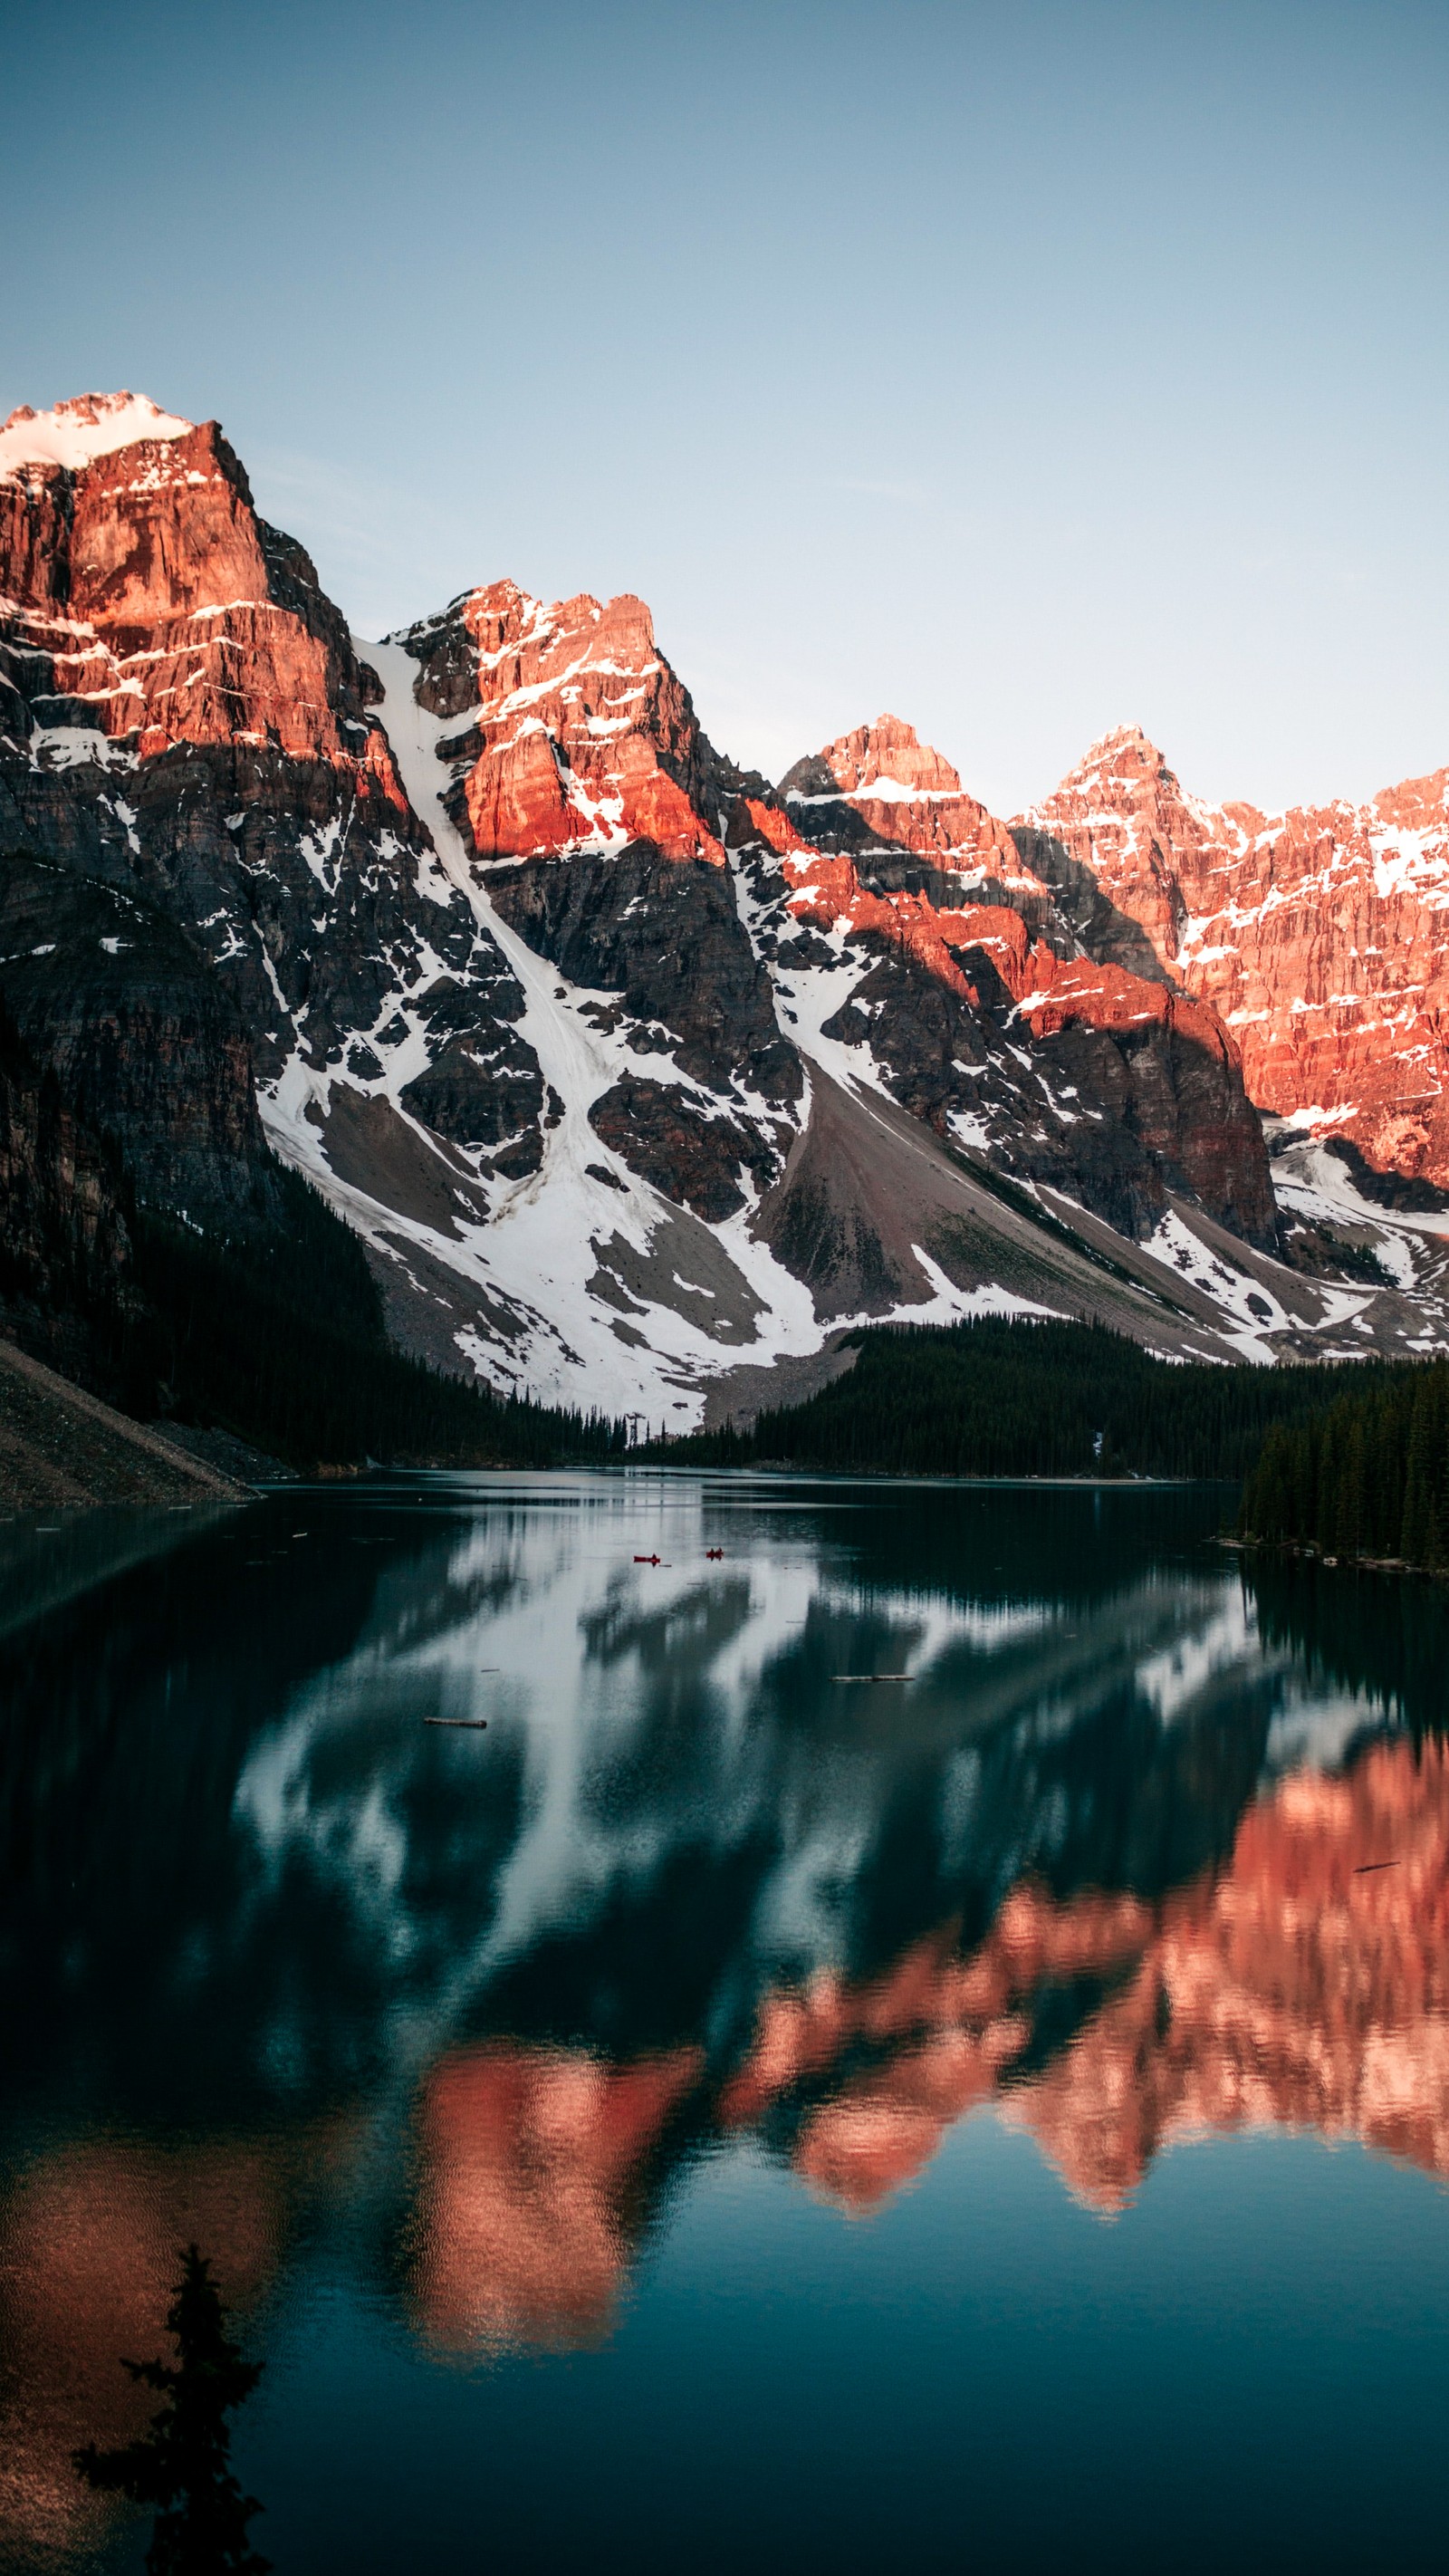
1024	369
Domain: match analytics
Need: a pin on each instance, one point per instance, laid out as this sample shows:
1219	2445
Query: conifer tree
182	2465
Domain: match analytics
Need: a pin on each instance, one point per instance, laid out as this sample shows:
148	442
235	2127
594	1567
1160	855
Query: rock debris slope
639	1077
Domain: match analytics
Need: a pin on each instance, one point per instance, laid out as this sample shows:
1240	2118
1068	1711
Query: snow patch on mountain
75	433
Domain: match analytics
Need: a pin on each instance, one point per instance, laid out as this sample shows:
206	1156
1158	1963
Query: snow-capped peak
77	432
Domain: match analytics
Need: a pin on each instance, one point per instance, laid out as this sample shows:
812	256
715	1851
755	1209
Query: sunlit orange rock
169	611
881	852
530	2189
580	736
1048	990
908	796
1318	934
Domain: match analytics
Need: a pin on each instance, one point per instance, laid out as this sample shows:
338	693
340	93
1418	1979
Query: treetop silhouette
182	2465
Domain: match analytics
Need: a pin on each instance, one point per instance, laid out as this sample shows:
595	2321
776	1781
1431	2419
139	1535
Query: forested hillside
282	1342
1366	1476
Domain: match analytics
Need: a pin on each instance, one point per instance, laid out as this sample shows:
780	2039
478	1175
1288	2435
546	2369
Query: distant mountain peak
1125	751
888	756
500	616
75	433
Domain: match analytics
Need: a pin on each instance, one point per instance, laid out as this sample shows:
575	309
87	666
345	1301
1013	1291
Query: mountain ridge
637	1074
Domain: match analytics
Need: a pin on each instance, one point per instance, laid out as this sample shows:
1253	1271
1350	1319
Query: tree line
1004	1396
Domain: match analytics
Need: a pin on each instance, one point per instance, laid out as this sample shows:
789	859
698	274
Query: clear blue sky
1024	369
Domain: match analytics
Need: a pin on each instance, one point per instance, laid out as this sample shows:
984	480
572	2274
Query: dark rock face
1388	1189
483	1088
64	1244
145	1044
1095	923
593	801
680	1142
1114	1116
228	902
299	881
666	937
981	1010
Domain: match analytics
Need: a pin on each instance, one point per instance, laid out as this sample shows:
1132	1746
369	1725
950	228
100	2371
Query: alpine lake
717	2022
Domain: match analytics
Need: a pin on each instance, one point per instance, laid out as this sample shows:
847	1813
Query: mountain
640	1080
1318	934
65	1245
955	985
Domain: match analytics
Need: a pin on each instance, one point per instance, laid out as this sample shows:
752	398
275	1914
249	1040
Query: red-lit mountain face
974	978
585	790
637	1076
1318	934
589	806
181	714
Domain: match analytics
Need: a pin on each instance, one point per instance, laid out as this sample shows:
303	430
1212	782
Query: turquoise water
719	2111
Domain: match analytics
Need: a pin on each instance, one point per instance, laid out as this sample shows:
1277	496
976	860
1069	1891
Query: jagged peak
500	616
75	433
503	620
1125	751
883	760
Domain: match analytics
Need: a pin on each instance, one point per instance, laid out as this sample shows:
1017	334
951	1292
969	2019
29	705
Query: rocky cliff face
1317	934
977	1003
181	713
64	1246
886	798
636	1076
584	787
579	737
147	597
143	1040
738	967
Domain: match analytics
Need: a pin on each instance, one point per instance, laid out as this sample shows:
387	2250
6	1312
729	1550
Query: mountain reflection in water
286	1966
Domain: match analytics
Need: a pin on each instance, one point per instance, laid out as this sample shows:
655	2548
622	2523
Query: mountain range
640	1078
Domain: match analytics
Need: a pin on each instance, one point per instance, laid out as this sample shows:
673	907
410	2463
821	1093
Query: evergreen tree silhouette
182	2466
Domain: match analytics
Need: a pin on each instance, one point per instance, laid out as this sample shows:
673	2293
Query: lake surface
724	2114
